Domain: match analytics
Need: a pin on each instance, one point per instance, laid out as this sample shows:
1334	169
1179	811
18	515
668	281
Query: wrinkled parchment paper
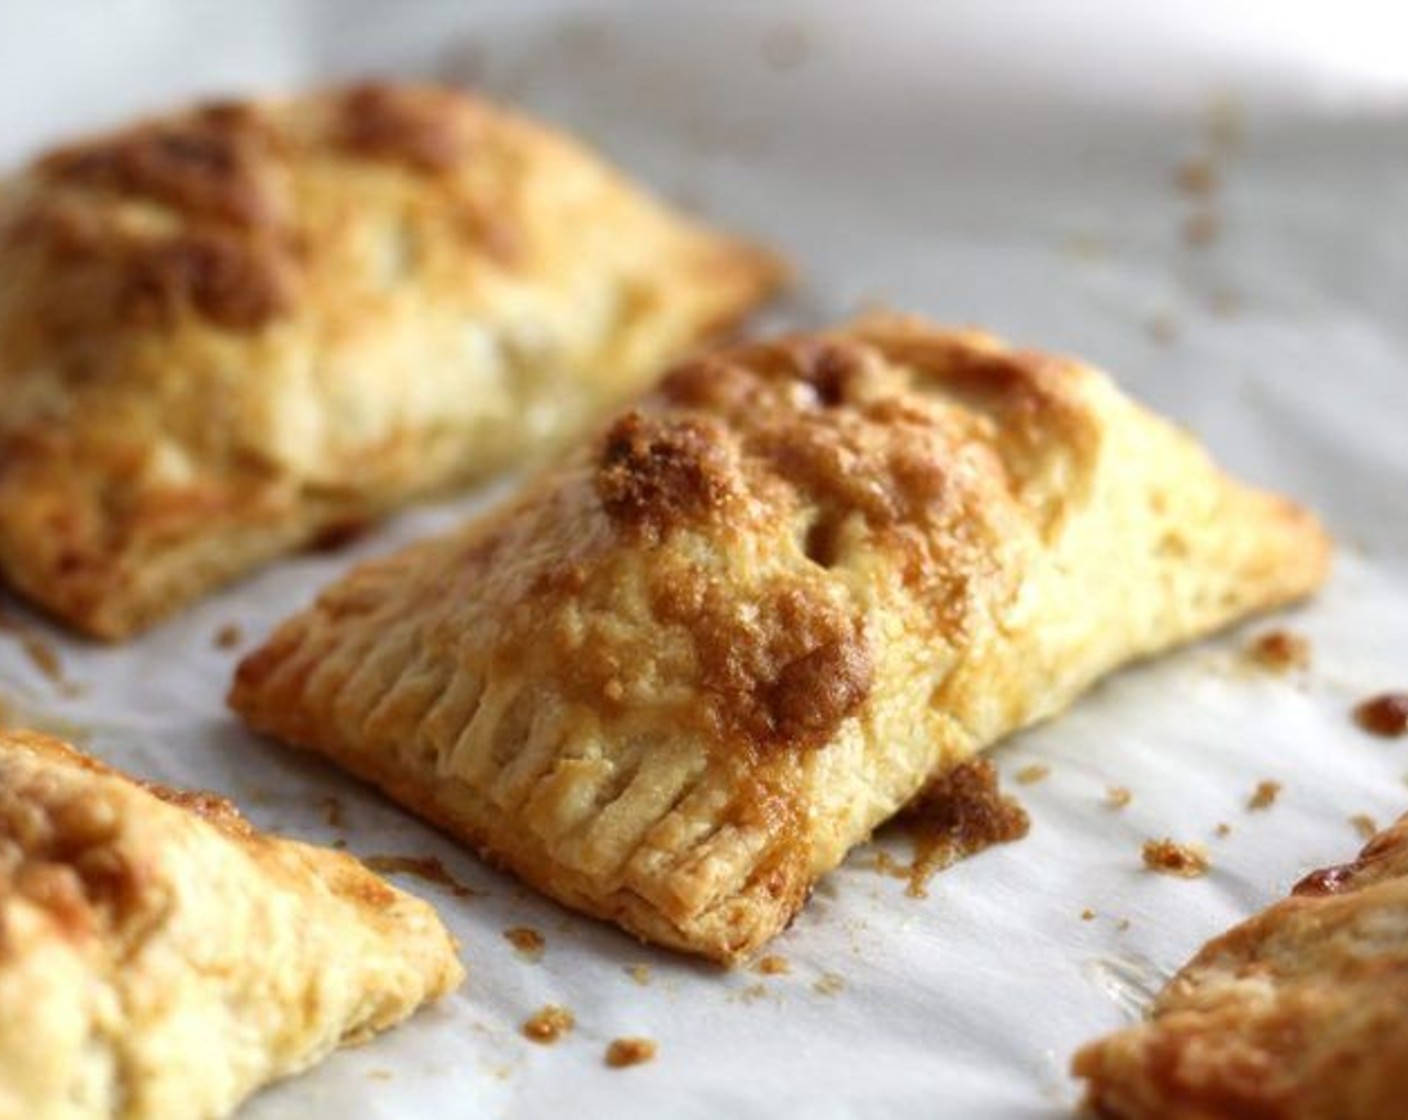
1011	164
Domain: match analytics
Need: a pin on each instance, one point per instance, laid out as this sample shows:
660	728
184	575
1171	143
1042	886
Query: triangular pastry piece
161	958
230	331
1301	1011
691	666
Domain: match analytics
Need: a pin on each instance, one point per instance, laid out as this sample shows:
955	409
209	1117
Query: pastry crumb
1168	857
1030	775
1196	176
640	973
548	1024
623	1052
829	984
1279	651
380	1075
42	654
1117	797
774	966
333	812
1223	829
1163	329
229	636
428	868
1122	925
1265	794
752	993
1225	303
1364	825
1087	915
527	941
1201	229
957	815
1385	715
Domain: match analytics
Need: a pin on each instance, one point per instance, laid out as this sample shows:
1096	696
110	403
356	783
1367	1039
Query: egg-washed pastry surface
230	331
162	959
1300	1012
674	681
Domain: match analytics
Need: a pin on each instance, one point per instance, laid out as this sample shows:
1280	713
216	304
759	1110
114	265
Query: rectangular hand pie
1301	1011
674	681
161	958
227	332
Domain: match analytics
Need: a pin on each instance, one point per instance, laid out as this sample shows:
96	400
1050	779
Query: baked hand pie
237	329
160	958
1297	1012
694	663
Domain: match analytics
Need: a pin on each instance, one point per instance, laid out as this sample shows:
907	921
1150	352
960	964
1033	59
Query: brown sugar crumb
1030	775
1196	176
1163	329
228	636
1201	229
1223	829
1087	915
1187	861
428	868
1279	651
1117	797
1364	825
958	815
333	812
548	1024
640	973
1265	794
1385	715
829	984
526	940
774	966
623	1052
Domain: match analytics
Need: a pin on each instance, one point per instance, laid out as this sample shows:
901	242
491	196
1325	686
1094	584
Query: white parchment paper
1012	165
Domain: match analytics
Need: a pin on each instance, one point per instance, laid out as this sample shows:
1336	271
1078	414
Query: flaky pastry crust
1297	1013
690	667
231	331
160	958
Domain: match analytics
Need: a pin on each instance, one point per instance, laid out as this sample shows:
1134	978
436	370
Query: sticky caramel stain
1279	651
526	941
623	1052
958	815
548	1024
1167	857
1264	796
1385	715
428	868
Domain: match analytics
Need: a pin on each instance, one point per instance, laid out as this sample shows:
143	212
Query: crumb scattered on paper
1087	915
624	1052
1385	715
1030	775
1201	229
428	868
774	966
229	636
1364	825
1265	794
1163	329
1168	857
640	973
829	984
1117	797
1223	829
1196	176
1279	651
526	941
548	1024
333	812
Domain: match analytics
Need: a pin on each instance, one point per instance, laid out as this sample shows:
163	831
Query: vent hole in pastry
822	541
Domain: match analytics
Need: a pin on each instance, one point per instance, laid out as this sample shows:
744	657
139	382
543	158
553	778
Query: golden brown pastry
159	958
228	332
1300	1012
677	679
